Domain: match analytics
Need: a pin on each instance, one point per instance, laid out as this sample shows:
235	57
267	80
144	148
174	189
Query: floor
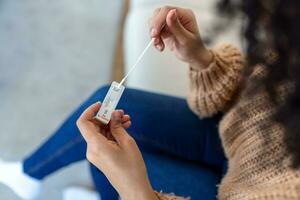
53	55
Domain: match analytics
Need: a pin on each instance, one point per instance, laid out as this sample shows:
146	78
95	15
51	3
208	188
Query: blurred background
55	53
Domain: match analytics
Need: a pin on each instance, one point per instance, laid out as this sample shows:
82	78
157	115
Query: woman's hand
112	150
177	29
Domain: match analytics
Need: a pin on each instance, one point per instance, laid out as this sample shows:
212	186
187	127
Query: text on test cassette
110	102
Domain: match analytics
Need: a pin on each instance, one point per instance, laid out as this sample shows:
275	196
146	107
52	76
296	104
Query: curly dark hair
273	28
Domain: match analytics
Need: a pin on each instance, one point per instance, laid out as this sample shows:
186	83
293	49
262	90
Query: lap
171	175
159	123
165	123
173	141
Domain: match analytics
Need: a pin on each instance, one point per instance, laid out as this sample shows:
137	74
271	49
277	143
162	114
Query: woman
259	129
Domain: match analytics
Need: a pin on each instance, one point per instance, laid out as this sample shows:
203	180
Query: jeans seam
59	152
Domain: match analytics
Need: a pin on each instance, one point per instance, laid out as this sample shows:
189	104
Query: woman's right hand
177	29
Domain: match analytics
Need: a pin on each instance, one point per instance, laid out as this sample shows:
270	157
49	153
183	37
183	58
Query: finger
156	41
160	47
158	21
159	44
166	37
165	34
169	42
127	125
90	112
155	12
90	132
125	118
174	25
85	123
117	129
121	112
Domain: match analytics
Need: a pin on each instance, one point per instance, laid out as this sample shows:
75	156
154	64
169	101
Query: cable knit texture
258	161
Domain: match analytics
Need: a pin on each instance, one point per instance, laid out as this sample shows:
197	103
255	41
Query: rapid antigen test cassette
110	102
115	92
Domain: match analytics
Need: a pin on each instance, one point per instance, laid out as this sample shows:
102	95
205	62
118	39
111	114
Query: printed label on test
110	102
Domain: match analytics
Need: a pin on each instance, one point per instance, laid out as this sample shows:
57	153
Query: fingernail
116	115
160	47
121	112
153	32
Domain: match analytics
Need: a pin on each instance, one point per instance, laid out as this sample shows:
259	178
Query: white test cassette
110	102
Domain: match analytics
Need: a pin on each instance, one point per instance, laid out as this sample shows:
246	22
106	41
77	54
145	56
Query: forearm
141	194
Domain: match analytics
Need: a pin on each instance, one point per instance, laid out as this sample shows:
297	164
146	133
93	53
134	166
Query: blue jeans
183	154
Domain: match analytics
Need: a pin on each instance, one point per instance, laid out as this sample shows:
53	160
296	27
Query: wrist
203	58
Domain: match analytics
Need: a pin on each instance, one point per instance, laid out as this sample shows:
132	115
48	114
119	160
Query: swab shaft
136	62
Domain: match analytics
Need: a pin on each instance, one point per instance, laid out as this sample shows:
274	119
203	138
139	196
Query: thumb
116	127
176	28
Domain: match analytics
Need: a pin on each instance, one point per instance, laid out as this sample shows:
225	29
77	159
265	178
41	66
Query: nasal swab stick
115	92
136	62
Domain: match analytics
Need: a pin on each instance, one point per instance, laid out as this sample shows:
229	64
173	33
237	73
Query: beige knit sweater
258	162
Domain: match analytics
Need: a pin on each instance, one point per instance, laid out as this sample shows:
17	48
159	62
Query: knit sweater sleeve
212	88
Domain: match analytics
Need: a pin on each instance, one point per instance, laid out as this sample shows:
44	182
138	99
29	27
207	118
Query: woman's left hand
113	151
